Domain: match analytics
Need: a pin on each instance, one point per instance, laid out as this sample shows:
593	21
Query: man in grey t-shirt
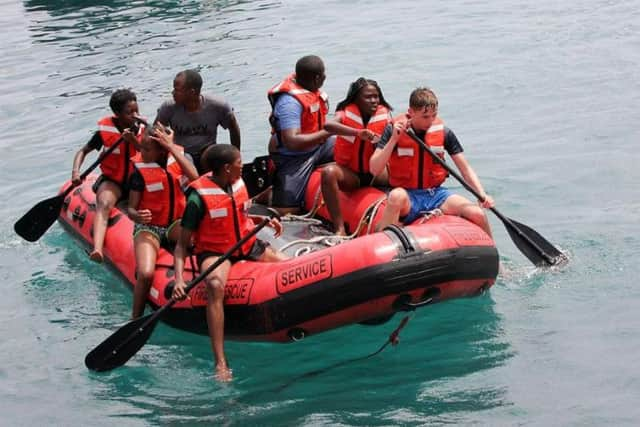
194	117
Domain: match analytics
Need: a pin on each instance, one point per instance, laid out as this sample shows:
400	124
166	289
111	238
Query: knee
329	175
104	205
145	275
474	214
215	288
397	198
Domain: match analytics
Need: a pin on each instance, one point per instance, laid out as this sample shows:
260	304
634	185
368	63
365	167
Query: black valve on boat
297	334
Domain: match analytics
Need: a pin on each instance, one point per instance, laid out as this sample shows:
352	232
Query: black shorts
123	188
365	179
256	252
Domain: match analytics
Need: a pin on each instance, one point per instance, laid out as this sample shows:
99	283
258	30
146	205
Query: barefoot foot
96	256
223	374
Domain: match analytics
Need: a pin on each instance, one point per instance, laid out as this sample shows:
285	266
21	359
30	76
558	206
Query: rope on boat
317	204
426	216
393	340
332	239
374	211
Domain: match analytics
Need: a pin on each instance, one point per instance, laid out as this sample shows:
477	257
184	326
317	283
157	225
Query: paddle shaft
217	263
95	164
153	318
472	190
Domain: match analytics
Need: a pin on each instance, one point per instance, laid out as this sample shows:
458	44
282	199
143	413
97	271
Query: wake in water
519	276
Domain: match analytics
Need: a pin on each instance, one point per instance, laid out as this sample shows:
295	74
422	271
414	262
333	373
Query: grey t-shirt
199	129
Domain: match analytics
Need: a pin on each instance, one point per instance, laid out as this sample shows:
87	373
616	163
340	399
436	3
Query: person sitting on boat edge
417	178
359	121
111	186
195	117
299	142
217	217
156	204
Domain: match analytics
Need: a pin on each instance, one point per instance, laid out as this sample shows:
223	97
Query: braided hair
354	90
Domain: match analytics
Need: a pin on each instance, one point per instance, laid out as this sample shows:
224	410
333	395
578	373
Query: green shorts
160	233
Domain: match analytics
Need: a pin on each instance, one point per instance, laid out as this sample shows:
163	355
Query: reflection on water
440	367
540	96
81	19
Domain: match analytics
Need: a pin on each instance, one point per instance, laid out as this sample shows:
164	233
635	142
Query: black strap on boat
393	340
408	242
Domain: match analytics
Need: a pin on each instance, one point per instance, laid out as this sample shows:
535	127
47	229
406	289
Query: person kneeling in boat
417	178
156	203
122	128
217	217
360	119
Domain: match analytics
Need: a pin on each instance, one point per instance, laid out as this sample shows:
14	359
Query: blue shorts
423	201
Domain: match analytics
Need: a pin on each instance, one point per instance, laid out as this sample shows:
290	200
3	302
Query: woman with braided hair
359	121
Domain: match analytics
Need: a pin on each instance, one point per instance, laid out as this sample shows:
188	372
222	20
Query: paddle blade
37	221
535	247
122	344
258	175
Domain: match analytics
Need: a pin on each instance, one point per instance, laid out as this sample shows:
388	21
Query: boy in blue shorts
417	178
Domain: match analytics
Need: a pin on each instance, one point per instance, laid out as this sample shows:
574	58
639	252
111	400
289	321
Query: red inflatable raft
330	282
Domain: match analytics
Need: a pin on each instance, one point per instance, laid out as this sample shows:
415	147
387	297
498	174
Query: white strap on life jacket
218	213
356	118
154	186
236	186
436	128
379	118
147	165
107	128
211	191
298	91
405	152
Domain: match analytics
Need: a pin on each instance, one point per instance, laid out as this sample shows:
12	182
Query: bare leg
107	196
271	255
146	249
398	204
285	211
215	282
458	205
335	178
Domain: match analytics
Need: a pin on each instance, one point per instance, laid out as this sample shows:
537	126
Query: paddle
258	175
532	245
126	341
37	221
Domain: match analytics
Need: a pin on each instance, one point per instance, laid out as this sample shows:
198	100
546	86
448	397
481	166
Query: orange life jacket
162	194
350	151
315	105
116	166
412	167
226	219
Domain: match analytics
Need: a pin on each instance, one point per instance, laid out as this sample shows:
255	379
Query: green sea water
543	96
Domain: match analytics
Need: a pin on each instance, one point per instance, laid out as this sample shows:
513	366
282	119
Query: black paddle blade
122	344
535	247
37	221
258	175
